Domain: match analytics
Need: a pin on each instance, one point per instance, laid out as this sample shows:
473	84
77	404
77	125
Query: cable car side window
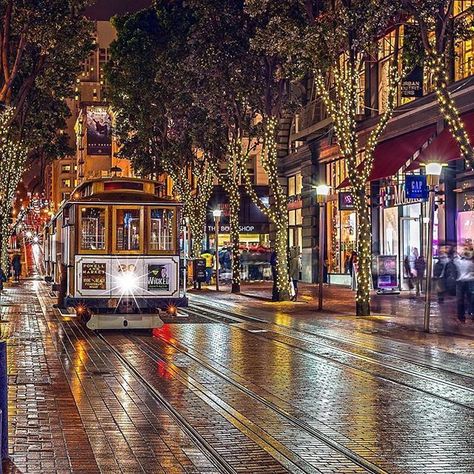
93	229
162	230
128	229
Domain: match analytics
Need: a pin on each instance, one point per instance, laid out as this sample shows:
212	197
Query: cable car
112	251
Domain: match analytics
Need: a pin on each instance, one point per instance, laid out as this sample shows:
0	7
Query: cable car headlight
127	282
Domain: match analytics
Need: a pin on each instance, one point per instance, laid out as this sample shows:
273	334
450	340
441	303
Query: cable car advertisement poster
94	276
99	131
158	277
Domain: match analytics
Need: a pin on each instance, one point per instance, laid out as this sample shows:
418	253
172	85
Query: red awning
392	154
444	148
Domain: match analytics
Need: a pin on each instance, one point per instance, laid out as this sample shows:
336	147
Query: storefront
403	230
465	215
254	237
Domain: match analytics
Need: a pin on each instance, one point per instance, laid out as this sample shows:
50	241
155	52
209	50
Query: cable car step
124	321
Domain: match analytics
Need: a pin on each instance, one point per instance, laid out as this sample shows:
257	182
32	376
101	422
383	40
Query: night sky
104	9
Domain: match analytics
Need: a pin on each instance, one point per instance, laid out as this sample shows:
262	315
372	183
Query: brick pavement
403	312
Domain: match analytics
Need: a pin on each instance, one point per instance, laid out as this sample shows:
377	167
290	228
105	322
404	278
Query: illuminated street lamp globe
217	213
322	192
433	172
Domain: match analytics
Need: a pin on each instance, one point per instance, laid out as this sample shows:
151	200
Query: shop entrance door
411	242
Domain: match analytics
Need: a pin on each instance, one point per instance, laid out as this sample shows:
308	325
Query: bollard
4	399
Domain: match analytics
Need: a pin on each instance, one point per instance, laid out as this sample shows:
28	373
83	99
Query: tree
332	41
222	72
159	126
42	45
438	31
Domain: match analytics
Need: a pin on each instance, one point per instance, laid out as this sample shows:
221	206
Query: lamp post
217	218
322	192
433	172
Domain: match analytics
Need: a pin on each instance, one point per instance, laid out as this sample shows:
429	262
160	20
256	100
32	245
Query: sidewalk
404	311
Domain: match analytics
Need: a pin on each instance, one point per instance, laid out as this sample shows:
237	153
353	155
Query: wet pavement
235	384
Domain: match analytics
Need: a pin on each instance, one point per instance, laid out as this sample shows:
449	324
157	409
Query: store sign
158	277
346	201
416	187
199	270
94	276
387	272
246	229
412	84
395	195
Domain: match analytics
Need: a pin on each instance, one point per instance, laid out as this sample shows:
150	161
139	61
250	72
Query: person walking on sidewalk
354	268
465	284
209	258
16	264
440	275
420	267
295	268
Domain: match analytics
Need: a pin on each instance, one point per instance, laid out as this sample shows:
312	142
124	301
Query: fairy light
342	108
12	164
440	80
278	213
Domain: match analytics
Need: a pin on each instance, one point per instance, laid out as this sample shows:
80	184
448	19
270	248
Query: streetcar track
360	369
335	445
281	453
239	317
205	447
243	318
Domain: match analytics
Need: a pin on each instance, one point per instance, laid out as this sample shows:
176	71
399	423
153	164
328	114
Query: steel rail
217	460
335	445
364	358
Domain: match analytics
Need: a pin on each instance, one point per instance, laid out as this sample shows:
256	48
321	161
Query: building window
464	57
66	168
66	183
162	229
93	228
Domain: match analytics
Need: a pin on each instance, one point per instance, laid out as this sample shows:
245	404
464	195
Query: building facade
415	134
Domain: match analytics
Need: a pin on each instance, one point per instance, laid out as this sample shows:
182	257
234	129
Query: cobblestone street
234	387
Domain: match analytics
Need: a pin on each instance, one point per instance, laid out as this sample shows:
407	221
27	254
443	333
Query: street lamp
433	172
217	218
322	193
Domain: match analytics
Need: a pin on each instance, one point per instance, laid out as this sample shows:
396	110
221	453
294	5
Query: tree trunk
364	254
197	235
234	207
448	108
281	249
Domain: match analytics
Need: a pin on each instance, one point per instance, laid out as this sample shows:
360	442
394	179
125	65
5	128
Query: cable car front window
93	228
161	230
128	229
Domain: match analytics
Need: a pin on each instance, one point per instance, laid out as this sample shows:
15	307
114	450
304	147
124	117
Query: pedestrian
408	273
273	265
420	267
439	275
465	284
209	258
295	268
3	278
16	264
354	268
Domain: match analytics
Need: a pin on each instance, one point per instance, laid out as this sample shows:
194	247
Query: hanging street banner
99	131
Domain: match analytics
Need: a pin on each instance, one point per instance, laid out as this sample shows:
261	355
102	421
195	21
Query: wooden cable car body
113	253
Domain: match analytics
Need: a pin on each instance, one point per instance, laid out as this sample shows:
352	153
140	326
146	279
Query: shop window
128	229
93	225
162	229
